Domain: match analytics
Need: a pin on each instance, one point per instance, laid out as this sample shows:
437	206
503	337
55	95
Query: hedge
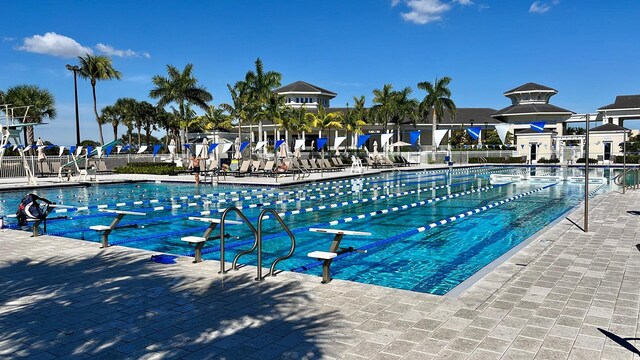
591	161
631	159
498	160
548	161
160	168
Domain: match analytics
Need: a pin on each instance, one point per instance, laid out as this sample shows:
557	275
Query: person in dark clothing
29	208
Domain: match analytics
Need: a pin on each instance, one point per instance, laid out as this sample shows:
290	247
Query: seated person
282	167
29	208
225	167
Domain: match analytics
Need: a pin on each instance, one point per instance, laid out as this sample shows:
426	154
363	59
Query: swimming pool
431	230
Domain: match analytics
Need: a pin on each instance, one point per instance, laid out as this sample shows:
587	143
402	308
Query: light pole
624	161
75	69
586	179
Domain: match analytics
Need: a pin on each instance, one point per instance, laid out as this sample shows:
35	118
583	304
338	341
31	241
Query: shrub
147	168
591	161
498	160
548	161
631	159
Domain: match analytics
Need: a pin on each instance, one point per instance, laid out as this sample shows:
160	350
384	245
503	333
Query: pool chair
313	166
337	163
245	169
330	167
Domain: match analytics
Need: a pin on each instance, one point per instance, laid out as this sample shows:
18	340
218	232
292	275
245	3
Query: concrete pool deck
554	299
45	182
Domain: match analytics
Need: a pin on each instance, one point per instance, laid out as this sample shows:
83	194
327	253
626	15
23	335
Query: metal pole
586	179
75	70
624	162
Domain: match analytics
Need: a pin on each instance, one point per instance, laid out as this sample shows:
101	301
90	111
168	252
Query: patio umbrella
205	149
375	150
283	150
41	155
236	145
172	149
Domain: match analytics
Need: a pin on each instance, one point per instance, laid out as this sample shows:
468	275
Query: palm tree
437	100
295	120
355	119
405	109
323	120
110	115
126	108
31	103
215	119
260	85
384	105
239	102
95	68
181	88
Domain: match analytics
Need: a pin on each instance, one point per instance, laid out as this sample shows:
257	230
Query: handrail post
222	221
259	276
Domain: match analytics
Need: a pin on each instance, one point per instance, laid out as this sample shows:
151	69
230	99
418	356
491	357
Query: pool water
389	206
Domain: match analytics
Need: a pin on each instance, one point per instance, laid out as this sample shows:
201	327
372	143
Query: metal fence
12	166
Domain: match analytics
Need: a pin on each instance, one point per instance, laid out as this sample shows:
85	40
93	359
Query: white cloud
55	45
425	11
539	7
111	51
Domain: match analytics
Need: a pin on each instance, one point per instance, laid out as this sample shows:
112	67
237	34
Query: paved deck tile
566	295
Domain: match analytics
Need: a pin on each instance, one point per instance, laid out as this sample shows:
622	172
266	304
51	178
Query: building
530	104
302	93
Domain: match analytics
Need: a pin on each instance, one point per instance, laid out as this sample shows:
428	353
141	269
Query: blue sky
587	50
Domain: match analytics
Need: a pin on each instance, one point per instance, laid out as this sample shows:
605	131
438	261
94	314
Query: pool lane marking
238	192
300	211
212	195
428	227
351	218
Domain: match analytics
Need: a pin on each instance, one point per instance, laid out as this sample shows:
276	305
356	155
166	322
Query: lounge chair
244	169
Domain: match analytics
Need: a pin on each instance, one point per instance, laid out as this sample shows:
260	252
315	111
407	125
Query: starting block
334	249
106	230
206	236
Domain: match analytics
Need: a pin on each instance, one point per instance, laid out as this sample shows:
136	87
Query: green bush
548	161
631	159
498	160
591	161
147	168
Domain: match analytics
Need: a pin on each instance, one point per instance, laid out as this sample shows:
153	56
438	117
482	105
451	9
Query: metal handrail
259	276
621	179
246	221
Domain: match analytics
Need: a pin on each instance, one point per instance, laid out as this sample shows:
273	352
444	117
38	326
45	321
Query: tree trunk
95	110
115	131
433	134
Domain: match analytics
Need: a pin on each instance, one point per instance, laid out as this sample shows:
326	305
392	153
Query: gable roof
303	87
608	127
530	87
480	116
624	102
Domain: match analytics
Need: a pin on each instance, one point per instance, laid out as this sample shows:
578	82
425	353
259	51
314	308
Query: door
534	150
607	150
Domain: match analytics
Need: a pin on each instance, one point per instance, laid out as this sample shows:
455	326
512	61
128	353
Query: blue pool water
390	206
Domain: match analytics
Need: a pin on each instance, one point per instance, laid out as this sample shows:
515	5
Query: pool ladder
257	244
621	179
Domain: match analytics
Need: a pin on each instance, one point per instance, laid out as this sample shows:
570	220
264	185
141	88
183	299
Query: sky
586	49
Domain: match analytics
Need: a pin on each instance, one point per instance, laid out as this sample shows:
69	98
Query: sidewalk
555	299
